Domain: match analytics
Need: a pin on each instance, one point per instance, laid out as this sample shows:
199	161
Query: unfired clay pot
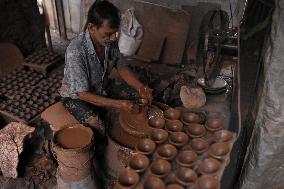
186	158
209	166
207	182
174	186
190	117
139	163
222	136
146	146
153	182
167	152
172	114
159	136
195	130
199	145
160	168
185	176
178	139
157	122
219	150
128	179
174	126
214	124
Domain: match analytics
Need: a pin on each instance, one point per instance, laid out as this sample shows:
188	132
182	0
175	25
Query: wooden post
60	19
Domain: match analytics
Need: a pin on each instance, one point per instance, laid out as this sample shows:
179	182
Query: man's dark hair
101	11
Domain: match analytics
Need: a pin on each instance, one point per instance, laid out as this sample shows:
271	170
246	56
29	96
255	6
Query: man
89	60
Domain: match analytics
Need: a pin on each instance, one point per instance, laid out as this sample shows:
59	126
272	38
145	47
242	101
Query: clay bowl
195	130
185	176
152	182
219	150
128	179
186	158
190	117
214	124
159	136
160	168
174	126
178	139
172	114
207	182
146	146
175	186
222	136
157	122
139	163
167	152
209	166
199	145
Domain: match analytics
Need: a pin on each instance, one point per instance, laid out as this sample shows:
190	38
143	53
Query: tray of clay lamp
179	155
43	59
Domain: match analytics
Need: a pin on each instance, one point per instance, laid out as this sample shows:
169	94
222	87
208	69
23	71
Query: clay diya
222	136
209	166
172	114
199	145
160	168
139	163
219	150
152	182
195	130
190	117
159	136
174	126
207	182
185	176
146	146
186	158
167	152
128	179
175	186
157	122
214	124
178	139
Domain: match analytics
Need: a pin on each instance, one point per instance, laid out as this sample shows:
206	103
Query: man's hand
145	93
128	105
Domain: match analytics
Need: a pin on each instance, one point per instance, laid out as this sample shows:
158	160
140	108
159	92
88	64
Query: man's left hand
145	93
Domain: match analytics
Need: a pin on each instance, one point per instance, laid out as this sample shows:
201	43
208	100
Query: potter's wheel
219	85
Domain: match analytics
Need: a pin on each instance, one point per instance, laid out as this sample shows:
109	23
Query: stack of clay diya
27	93
185	150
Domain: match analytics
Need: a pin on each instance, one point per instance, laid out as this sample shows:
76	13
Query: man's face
104	34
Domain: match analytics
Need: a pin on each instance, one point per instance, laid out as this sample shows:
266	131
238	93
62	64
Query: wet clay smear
71	138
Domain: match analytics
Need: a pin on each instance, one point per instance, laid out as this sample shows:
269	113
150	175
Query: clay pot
214	124
209	166
157	122
178	139
207	182
186	158
174	126
219	150
185	176
190	117
146	146
160	168
139	163
199	145
195	130
159	136
28	116
152	182
167	152
172	114
128	179
175	186
222	136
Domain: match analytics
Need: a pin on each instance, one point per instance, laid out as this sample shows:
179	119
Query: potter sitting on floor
89	59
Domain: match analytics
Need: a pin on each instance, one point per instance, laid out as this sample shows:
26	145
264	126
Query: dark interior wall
22	25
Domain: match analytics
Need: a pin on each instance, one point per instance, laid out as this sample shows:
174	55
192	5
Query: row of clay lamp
43	57
178	153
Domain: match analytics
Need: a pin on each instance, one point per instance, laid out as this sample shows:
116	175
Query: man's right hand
128	105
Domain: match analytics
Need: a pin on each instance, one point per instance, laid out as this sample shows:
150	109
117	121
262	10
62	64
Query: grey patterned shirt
83	72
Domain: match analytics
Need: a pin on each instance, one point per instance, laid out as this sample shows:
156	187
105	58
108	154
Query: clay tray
42	60
224	161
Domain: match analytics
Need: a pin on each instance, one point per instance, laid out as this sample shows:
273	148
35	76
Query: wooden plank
61	19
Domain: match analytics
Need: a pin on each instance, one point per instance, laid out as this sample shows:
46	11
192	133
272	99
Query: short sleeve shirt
83	71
